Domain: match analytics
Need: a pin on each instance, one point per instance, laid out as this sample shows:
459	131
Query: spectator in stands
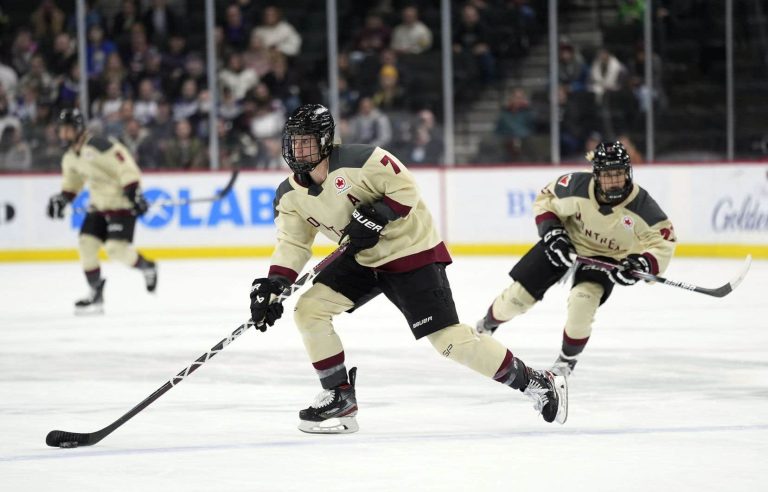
187	105
47	21
277	33
133	135
145	106
268	114
237	28
108	104
194	68
25	107
236	77
424	149
515	124
98	50
643	93
160	22
606	74
348	98
578	118
229	107
389	94
283	82
115	124
34	130
270	155
412	36
370	126
39	77
9	79
63	55
185	151
472	39
114	71
22	50
373	37
122	24
48	155
162	127
15	154
256	56
573	70
69	88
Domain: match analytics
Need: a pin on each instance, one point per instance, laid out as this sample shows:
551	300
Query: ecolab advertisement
710	206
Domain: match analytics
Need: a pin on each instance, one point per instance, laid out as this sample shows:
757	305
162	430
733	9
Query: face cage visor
614	195
308	148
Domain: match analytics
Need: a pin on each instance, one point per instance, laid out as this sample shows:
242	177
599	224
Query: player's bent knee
319	304
515	300
446	339
583	302
121	251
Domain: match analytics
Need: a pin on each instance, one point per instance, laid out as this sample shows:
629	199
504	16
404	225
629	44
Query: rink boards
717	209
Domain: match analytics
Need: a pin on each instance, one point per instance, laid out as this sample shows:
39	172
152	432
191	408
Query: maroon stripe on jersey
69	195
492	317
330	362
438	254
283	272
93	270
398	208
654	263
505	367
135	184
574	341
546	216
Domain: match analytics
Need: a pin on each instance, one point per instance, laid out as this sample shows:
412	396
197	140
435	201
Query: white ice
670	394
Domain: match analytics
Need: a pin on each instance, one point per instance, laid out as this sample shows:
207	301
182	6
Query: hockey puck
68	444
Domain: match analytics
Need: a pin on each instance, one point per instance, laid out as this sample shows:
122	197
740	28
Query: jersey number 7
388	160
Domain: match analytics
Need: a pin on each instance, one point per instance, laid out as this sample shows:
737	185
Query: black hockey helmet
72	116
308	120
609	156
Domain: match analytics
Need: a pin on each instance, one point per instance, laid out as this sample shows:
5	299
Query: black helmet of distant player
612	156
308	137
71	117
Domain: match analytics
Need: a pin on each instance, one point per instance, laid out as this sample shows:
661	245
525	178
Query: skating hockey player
602	214
366	195
111	175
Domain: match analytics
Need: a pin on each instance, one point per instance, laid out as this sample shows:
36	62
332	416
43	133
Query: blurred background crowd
148	87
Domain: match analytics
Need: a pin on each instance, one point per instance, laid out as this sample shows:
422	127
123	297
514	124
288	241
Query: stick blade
743	273
63	439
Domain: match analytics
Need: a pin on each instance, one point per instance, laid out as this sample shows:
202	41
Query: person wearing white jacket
277	33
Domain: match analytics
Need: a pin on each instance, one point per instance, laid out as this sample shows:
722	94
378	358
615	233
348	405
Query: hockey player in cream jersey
602	214
112	177
364	194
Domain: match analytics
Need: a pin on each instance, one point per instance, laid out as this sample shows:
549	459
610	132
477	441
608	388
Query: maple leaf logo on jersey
341	184
628	222
564	181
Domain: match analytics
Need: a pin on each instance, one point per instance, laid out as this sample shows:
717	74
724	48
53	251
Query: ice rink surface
671	393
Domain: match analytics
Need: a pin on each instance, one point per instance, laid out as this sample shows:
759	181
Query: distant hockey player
108	170
603	215
365	194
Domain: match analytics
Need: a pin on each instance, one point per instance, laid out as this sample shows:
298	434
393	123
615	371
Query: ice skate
333	411
94	303
150	276
549	394
564	365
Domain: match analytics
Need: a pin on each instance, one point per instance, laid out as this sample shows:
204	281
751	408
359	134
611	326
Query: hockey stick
171	202
64	439
721	291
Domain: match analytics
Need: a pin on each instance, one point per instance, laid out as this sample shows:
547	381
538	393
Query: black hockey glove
263	310
637	262
134	194
56	205
558	247
364	229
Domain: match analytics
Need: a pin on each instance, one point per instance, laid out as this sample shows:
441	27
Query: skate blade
561	387
339	425
89	311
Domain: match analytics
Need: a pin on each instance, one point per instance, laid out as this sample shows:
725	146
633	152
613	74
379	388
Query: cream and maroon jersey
357	175
636	225
106	167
